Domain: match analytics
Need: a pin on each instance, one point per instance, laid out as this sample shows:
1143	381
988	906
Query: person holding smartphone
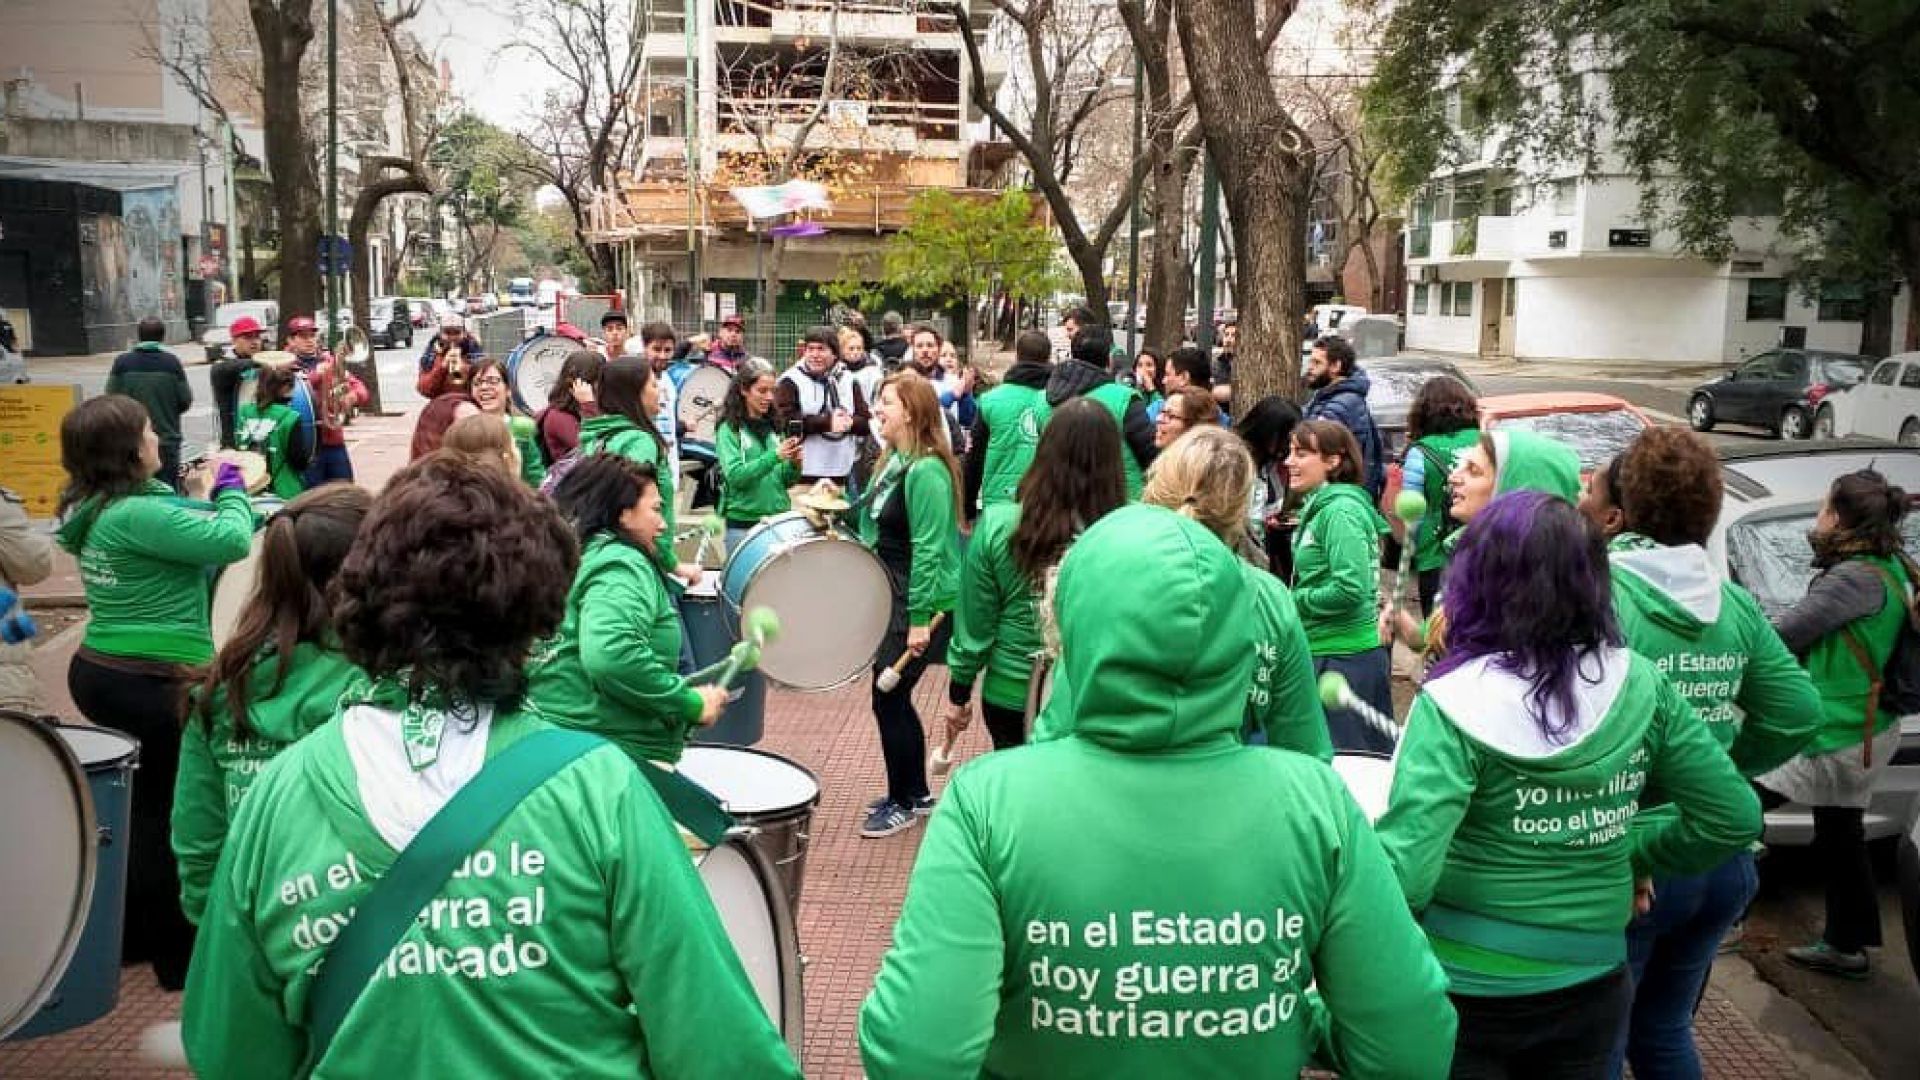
757	463
828	404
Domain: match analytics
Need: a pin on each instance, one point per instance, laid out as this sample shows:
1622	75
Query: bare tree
283	30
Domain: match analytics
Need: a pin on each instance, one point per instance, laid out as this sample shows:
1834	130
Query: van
219	333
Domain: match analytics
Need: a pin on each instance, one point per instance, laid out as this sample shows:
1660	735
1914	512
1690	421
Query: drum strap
461	826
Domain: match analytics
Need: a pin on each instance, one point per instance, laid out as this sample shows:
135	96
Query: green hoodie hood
1528	461
1674	587
1493	707
1174	680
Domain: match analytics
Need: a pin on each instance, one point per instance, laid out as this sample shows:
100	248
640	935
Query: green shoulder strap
461	826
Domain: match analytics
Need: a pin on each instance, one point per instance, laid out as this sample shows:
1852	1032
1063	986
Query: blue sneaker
922	806
1827	960
886	819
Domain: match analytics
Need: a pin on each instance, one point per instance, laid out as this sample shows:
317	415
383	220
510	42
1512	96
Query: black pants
1007	727
1429	589
146	707
170	466
1840	846
903	741
226	376
1565	1034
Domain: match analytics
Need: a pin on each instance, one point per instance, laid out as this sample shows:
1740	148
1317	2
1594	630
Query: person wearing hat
228	372
436	357
730	349
614	333
323	374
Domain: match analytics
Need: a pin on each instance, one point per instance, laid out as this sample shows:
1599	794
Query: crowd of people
1154	872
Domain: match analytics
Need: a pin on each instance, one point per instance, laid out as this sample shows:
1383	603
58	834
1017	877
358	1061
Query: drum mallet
889	679
1410	507
759	626
1336	694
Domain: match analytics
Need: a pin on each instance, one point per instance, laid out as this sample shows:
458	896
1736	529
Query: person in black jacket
1340	394
152	376
1085	371
227	373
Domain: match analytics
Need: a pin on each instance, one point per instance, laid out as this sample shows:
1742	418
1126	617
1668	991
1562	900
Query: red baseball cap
570	331
244	325
300	324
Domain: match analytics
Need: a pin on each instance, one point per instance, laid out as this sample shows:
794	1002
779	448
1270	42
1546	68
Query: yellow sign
30	419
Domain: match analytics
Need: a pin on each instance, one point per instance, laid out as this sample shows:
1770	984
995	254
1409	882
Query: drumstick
942	759
890	678
1336	694
1410	507
760	626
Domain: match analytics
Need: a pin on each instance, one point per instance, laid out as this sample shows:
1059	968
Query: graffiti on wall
131	263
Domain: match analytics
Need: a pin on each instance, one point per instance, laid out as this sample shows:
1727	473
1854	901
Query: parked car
1777	390
1396	381
442	308
218	334
1773	494
389	323
1906	877
1884	405
1596	426
422	312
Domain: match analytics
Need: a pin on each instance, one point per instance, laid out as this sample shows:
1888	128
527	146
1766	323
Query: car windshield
1837	372
1394	388
1769	556
1595	436
229	312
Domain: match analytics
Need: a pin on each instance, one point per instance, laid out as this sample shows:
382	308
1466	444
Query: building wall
1670	319
40	260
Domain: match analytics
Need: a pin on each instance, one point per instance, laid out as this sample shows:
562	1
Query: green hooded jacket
526	443
1439	453
933	577
1520	851
1117	398
218	764
611	433
577	941
269	434
612	667
1709	637
144	560
1015	416
996	619
1336	569
1170	926
755	476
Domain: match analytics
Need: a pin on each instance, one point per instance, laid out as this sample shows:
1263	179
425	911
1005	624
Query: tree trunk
412	180
285	29
1170	279
1376	291
1876	328
1264	163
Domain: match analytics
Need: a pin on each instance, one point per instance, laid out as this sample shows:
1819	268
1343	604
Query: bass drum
1369	777
702	392
534	367
753	909
771	795
307	431
832	595
234	587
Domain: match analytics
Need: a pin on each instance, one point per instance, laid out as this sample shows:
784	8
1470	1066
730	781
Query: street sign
335	254
30	419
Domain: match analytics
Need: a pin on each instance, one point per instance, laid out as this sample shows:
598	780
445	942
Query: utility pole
1133	217
233	222
696	290
1209	250
333	173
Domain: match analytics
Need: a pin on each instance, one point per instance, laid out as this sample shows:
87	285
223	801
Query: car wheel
1823	423
1910	433
1794	423
1700	413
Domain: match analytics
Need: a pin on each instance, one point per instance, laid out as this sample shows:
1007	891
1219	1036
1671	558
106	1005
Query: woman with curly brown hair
1715	645
577	932
1442	425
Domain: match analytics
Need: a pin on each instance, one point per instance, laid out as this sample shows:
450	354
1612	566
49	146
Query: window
1456	298
1420	299
1842	303
1502	202
1760	367
1758	199
1766	299
1910	376
1466	202
1564	196
1886	373
1513	288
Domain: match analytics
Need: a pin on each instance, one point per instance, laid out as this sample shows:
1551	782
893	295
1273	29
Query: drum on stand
832	595
770	795
702	392
746	894
1369	777
534	366
66	795
710	634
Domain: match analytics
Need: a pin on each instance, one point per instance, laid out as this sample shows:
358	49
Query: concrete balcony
642	210
1483	243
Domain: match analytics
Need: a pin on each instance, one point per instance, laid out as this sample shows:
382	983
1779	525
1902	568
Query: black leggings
147	707
1566	1034
1007	727
1840	849
903	741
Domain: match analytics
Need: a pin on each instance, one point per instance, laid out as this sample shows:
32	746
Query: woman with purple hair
1512	820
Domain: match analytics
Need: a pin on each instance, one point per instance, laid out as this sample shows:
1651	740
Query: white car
219	334
1774	491
1884	405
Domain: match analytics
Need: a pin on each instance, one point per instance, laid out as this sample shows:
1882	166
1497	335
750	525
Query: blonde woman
486	438
1205	475
910	518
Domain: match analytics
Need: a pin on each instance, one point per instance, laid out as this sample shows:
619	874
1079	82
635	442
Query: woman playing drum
144	554
757	464
269	426
629	395
1511	822
911	520
276	679
611	668
1074	481
575	937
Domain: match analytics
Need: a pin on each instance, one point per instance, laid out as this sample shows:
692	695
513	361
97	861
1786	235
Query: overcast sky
493	80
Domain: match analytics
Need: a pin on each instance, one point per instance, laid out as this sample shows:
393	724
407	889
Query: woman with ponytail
276	679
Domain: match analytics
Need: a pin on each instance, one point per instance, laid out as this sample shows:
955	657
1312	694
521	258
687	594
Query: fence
501	332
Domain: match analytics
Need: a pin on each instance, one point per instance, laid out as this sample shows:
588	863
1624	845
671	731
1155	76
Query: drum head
746	894
47	847
1369	778
231	593
702	393
253	468
751	782
303	406
535	367
833	599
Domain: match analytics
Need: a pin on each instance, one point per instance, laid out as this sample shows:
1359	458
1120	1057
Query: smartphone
795	429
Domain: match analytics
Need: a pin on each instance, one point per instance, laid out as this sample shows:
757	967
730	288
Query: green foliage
488	180
1809	104
955	249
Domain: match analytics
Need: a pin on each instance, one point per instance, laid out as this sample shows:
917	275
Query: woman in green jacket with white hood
1512	818
1171	924
1336	576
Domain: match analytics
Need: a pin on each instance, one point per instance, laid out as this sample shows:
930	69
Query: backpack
558	471
1436	466
1897	686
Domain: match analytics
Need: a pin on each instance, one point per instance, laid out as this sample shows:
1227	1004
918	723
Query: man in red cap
331	384
230	371
730	349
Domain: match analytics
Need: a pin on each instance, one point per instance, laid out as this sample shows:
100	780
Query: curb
1801	1039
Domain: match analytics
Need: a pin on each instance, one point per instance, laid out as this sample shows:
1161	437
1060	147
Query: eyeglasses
489	380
